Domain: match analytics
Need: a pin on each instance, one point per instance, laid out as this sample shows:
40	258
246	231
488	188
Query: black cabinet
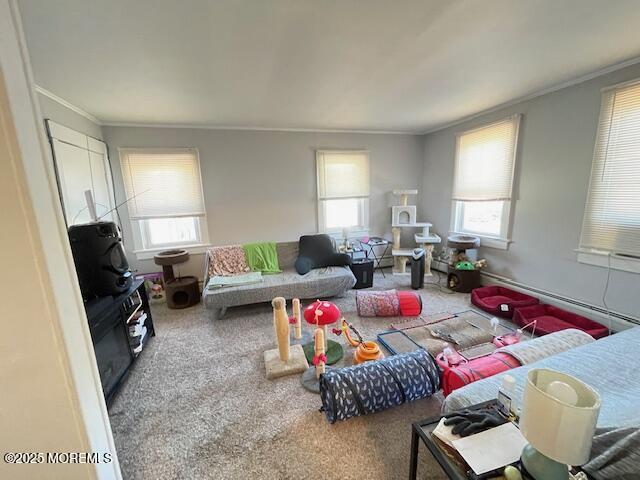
120	326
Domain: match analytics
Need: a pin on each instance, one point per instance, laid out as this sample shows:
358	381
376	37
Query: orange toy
365	351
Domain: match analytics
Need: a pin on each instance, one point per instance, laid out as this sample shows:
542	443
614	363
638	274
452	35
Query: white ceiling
392	65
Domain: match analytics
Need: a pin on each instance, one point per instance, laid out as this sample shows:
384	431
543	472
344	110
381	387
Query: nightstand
450	462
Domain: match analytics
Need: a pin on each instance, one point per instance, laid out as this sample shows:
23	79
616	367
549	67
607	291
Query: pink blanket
228	260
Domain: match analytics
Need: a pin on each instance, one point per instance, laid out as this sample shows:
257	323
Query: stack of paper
491	449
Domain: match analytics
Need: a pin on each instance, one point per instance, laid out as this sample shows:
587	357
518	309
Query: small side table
452	466
370	244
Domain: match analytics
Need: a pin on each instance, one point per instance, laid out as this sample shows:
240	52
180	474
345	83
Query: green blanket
262	257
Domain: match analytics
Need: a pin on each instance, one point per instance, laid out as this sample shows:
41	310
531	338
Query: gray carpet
197	405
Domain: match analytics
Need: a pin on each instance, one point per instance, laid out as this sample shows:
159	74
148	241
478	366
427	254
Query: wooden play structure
297	319
287	359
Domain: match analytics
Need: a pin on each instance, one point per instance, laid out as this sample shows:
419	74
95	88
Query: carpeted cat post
286	359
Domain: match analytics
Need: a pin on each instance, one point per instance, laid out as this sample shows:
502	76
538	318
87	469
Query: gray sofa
318	283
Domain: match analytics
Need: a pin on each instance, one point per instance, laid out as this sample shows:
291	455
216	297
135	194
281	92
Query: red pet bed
552	319
500	301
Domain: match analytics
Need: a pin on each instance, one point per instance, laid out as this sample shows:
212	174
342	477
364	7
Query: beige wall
557	137
261	185
39	410
51	399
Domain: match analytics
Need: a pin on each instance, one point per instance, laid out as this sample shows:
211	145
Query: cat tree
404	216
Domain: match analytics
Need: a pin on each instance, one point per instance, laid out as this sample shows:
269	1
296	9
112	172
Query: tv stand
120	326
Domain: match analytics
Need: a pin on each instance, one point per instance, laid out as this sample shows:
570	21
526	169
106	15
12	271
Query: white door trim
93	419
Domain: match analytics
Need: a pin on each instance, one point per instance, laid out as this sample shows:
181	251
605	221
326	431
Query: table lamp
559	415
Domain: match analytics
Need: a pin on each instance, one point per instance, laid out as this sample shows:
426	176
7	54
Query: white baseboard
615	321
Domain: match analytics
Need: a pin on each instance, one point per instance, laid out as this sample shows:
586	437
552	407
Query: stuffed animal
482	263
458	256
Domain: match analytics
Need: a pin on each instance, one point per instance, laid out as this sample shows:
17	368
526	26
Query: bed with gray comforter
612	367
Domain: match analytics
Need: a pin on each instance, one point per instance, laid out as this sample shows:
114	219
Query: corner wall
553	168
261	185
65	116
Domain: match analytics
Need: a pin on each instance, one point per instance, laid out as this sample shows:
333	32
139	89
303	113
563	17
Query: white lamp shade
559	426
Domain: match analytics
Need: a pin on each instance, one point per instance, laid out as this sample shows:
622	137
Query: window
343	190
483	181
612	213
166	205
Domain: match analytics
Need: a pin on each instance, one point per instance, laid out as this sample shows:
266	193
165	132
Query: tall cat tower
404	216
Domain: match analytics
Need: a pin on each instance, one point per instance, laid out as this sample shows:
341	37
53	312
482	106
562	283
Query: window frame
358	230
600	257
502	241
142	245
145	234
363	208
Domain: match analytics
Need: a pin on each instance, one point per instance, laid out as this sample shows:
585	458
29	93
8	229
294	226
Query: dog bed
551	319
500	301
374	386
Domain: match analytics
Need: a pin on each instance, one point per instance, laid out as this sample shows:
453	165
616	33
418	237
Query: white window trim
354	232
605	259
358	230
501	243
143	253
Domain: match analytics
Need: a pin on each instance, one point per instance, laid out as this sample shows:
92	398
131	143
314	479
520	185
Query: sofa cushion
315	251
318	283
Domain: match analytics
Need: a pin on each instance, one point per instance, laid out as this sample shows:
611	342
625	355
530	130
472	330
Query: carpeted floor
197	405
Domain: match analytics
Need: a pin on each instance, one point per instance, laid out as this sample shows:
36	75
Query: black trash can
363	271
417	268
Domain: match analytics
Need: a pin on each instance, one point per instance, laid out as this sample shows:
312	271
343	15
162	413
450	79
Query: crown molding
539	93
531	96
254	129
69	105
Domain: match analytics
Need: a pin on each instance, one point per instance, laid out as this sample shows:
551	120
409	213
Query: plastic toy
366	351
320	314
465	265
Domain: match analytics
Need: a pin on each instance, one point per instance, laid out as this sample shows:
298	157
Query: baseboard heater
619	321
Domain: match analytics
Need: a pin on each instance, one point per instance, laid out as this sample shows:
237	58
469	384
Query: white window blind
342	174
485	159
612	212
164	183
